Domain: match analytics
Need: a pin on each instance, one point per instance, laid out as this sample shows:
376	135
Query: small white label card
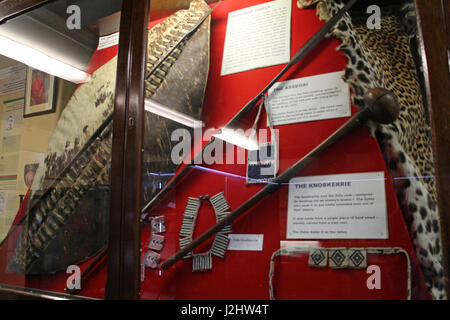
257	37
324	96
344	206
108	41
246	242
12	79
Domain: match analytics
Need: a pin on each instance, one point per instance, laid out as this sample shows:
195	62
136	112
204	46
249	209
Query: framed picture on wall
40	93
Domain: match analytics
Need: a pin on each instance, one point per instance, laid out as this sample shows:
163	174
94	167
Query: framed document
40	93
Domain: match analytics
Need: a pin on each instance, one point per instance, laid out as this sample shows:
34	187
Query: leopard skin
383	58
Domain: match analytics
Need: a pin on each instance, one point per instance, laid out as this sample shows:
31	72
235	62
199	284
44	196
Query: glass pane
57	82
331	226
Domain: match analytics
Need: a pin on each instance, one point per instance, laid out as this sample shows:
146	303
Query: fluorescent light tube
166	112
40	61
228	135
236	138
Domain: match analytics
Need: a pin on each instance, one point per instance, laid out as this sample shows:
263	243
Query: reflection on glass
57	82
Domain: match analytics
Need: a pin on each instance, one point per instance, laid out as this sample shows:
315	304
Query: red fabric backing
244	274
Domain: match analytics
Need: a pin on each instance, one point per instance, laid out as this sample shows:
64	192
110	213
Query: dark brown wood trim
434	46
12	8
126	167
446	6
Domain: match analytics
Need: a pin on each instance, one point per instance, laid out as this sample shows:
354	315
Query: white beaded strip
290	250
219	203
155	243
203	261
190	217
183	243
220	245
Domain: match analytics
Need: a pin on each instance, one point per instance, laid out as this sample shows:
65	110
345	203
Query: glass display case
224	150
59	66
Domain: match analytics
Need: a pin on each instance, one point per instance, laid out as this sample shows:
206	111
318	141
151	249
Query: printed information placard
12	79
108	41
344	206
258	36
320	97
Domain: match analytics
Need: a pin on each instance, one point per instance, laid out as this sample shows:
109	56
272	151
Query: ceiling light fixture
36	59
237	138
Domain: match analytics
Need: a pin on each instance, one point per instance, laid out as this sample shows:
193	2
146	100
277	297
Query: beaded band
155	243
355	258
203	261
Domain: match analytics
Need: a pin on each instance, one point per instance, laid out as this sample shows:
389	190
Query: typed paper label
246	242
258	36
345	206
320	97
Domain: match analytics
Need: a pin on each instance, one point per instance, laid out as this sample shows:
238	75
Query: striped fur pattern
166	35
184	72
59	191
203	261
54	211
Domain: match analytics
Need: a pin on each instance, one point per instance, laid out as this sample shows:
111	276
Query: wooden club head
383	105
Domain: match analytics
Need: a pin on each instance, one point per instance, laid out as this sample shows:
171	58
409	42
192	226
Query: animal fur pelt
67	216
182	89
383	58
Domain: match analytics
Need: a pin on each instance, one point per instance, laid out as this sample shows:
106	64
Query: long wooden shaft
357	120
300	54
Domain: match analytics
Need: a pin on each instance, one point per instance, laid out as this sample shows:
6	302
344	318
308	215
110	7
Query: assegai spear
300	54
381	106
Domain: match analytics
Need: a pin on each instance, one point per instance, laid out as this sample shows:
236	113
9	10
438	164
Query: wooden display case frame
123	269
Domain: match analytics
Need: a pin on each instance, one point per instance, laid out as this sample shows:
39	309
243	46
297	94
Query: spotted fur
383	58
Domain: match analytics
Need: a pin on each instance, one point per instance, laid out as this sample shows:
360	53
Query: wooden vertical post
126	166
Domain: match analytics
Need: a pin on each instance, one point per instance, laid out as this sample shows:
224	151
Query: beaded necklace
203	261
